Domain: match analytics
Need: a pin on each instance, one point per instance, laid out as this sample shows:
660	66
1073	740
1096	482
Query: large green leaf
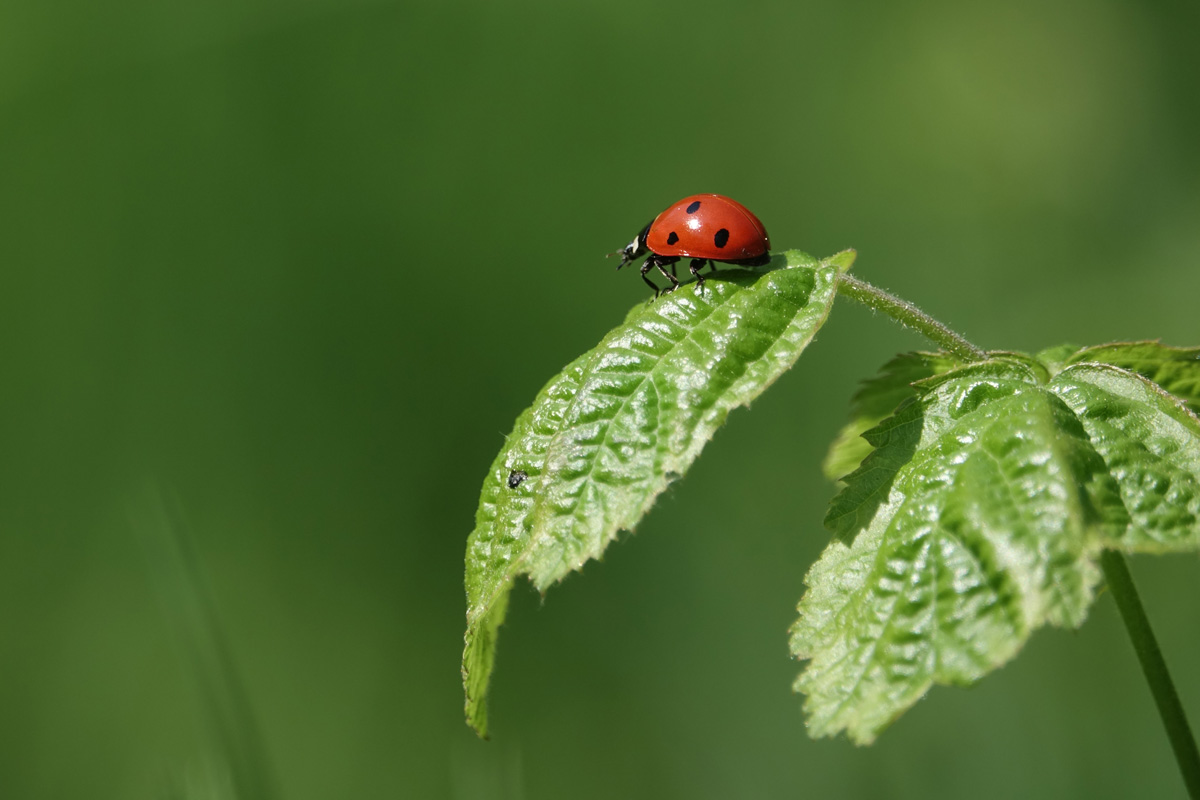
979	517
961	533
607	436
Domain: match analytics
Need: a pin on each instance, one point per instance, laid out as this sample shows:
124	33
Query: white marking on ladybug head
633	249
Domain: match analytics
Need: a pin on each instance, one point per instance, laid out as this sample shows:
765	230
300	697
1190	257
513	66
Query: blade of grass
192	615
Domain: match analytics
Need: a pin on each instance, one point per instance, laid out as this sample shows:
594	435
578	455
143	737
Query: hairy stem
1116	572
910	316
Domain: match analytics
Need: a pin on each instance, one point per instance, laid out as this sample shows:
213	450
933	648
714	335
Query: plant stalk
909	316
1116	572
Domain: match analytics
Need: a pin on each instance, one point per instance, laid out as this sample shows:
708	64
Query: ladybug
706	227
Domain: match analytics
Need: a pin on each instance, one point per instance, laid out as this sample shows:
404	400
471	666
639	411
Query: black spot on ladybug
721	237
516	477
694	207
674	237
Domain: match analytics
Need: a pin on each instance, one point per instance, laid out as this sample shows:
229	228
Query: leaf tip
843	260
479	657
475	712
799	258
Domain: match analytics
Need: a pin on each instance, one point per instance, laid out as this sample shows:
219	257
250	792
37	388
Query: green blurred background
296	267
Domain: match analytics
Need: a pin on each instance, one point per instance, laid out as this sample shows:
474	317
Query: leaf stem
910	316
1116	572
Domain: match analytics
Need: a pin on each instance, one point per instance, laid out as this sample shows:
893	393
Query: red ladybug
706	227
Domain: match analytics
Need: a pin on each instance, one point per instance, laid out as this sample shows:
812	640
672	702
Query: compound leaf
605	438
962	532
979	514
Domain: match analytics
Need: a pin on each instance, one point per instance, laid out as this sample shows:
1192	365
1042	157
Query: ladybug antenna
623	253
634	249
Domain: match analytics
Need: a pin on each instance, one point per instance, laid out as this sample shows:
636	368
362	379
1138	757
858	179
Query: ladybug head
634	249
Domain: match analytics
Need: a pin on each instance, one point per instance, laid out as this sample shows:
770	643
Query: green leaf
875	400
980	515
1150	443
965	530
607	436
1175	369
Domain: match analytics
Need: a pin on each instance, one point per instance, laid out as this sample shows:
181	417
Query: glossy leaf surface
977	518
1150	443
1175	369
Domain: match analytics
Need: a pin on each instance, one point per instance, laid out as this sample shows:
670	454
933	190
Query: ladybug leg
663	261
697	265
660	262
646	268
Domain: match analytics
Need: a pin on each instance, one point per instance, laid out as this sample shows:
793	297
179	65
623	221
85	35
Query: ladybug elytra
705	227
